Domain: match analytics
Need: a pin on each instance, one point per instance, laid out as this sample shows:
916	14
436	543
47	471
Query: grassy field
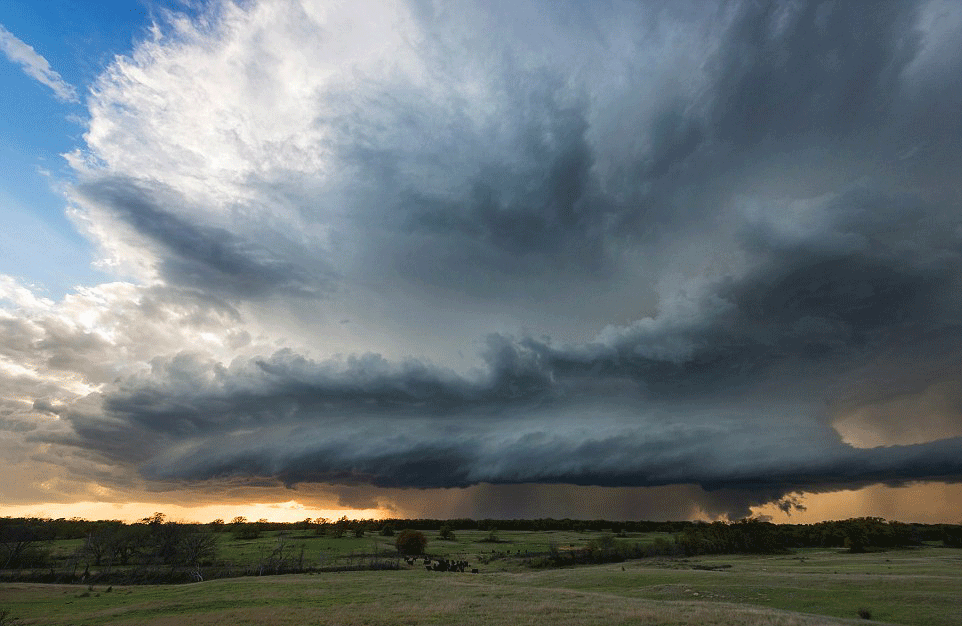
920	587
510	551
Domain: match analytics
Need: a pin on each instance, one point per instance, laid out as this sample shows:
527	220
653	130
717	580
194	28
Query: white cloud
35	66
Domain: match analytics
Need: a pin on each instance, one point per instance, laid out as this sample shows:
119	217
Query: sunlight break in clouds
455	260
35	66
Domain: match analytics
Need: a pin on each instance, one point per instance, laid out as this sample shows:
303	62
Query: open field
510	551
325	550
916	586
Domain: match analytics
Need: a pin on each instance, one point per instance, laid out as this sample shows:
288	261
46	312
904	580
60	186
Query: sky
412	258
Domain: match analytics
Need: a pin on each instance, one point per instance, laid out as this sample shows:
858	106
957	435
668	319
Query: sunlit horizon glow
129	512
922	503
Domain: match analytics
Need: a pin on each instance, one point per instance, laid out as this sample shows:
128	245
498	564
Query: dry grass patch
365	600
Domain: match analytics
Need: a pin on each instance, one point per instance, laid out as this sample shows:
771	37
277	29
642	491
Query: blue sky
616	259
78	39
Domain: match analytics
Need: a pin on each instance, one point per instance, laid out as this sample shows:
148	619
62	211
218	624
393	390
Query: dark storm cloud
740	468
438	199
482	204
288	386
807	86
790	70
549	206
530	417
878	274
822	226
208	258
818	307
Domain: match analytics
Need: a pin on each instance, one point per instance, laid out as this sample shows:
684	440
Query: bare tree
19	540
197	546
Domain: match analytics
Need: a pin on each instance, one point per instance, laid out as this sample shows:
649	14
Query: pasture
512	550
508	552
919	586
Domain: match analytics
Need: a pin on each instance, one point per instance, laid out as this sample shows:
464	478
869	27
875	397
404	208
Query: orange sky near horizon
290	511
929	503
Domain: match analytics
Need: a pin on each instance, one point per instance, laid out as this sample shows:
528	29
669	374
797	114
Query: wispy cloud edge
35	66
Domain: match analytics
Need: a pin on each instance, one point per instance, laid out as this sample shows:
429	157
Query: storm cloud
207	258
678	246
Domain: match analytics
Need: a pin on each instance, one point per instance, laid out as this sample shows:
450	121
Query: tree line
156	547
754	536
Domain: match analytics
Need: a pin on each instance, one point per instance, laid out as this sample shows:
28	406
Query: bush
410	542
446	533
604	544
244	530
7	620
952	536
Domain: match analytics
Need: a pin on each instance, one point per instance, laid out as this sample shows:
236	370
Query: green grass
909	587
916	587
509	553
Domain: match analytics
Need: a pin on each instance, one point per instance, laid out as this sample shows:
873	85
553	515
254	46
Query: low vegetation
410	542
565	571
157	549
917	587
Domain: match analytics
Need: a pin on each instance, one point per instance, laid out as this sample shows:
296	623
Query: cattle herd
442	565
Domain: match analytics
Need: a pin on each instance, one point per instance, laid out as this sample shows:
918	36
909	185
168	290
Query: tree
602	546
410	542
164	542
102	540
446	533
19	539
155	520
198	545
127	541
242	529
952	536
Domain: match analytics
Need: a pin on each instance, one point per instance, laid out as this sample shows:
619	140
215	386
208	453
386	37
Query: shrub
7	620
446	533
244	530
604	543
865	614
410	542
952	536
